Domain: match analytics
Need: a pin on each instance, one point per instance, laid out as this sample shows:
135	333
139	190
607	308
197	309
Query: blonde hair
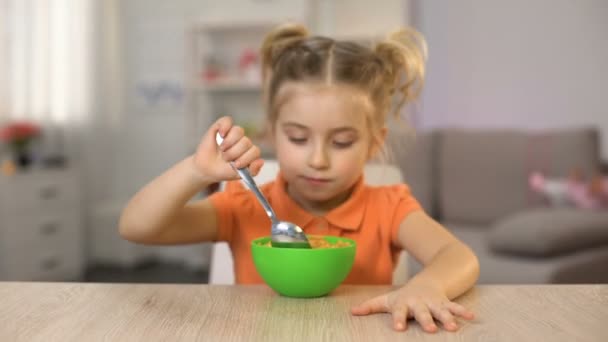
392	72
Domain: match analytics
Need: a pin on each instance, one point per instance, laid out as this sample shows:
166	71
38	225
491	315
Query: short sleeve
225	203
404	203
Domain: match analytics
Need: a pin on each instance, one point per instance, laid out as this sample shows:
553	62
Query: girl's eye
297	141
343	144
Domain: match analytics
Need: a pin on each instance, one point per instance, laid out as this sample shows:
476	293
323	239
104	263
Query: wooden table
142	312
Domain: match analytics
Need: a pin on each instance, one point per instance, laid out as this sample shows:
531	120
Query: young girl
327	104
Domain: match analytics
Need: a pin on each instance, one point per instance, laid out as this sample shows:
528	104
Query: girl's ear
377	143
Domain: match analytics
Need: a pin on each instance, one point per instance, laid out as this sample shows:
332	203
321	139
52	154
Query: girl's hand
212	162
418	300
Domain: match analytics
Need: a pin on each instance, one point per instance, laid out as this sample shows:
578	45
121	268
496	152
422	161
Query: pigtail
278	40
404	54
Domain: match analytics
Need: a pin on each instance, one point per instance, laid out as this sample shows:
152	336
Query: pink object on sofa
562	192
580	196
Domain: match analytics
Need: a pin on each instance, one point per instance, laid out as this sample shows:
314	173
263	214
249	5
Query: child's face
322	140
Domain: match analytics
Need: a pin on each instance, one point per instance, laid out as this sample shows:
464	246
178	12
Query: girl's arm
159	213
450	269
448	263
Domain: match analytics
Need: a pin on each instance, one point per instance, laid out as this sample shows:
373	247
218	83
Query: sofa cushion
415	156
584	266
483	174
549	232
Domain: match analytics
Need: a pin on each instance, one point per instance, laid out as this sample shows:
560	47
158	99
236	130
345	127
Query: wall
529	64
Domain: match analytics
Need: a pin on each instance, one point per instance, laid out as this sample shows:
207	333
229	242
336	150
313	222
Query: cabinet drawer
23	194
47	265
41	230
42	246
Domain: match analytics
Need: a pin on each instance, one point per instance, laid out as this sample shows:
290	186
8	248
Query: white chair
221	268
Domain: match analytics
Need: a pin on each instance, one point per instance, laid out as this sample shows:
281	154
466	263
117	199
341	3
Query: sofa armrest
549	232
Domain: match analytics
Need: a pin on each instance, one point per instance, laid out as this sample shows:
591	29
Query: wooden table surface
146	312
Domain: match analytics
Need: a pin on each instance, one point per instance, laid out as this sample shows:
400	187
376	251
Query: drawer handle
49	192
49	263
49	228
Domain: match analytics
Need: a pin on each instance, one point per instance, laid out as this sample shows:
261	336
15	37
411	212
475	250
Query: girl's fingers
375	305
231	137
256	166
442	314
207	145
237	150
400	318
248	157
424	318
223	125
460	310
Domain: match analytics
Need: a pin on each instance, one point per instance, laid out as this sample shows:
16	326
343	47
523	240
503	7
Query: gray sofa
475	183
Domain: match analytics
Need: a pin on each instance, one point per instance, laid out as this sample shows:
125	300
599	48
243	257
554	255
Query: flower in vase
18	135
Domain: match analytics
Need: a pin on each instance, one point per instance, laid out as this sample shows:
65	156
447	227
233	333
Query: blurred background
97	97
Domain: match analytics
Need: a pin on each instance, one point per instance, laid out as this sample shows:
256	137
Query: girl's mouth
316	181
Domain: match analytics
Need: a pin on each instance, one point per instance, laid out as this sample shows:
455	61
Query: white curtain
61	64
45	63
102	140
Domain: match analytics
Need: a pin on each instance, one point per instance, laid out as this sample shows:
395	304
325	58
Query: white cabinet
41	236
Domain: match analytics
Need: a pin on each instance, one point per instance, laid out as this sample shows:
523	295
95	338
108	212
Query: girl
327	105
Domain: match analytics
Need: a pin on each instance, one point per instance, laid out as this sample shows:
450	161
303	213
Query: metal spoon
283	234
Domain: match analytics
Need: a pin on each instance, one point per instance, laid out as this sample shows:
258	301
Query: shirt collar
347	216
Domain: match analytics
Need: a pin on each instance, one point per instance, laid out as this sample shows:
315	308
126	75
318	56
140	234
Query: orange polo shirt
371	217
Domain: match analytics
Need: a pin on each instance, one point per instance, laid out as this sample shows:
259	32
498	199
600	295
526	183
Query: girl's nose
318	158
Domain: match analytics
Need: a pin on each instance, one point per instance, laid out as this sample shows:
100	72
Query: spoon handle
248	179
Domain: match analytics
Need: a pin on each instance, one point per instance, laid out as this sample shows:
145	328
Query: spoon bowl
282	233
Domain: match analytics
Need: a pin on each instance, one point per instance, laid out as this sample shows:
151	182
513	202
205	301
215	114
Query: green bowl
303	273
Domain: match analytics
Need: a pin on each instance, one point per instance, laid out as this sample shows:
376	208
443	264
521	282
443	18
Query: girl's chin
312	195
316	195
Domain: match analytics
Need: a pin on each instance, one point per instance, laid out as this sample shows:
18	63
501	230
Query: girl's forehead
324	106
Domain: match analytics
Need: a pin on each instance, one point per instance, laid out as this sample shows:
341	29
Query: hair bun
280	39
404	53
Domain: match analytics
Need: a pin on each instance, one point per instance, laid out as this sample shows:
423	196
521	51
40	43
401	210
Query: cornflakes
320	242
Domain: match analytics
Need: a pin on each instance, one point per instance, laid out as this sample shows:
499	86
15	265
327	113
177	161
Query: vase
23	160
22	156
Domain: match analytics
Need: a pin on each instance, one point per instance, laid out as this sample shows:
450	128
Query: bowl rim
353	243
